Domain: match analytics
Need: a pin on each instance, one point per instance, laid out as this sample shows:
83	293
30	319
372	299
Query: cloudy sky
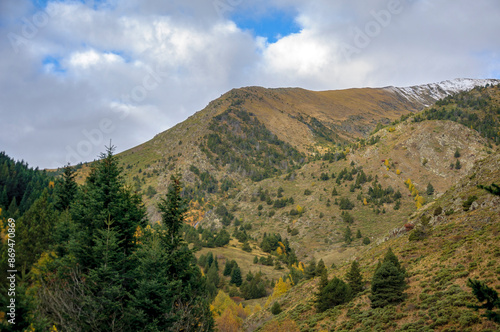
74	74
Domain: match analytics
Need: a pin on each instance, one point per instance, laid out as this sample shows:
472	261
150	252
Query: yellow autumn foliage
280	288
365	202
398	172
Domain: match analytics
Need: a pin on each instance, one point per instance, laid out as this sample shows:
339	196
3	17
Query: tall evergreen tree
354	278
236	276
320	268
388	283
35	231
65	189
171	294
336	292
102	198
488	297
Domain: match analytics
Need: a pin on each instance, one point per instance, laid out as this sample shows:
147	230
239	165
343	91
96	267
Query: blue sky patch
273	24
41	4
53	64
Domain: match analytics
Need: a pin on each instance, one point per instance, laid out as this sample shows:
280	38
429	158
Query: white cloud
163	60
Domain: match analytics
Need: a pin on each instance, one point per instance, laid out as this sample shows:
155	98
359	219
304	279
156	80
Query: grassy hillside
458	245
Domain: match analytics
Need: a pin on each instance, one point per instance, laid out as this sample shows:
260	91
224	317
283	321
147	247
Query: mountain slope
458	245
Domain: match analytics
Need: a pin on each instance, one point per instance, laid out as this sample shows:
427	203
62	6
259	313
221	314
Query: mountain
260	133
460	242
428	94
284	185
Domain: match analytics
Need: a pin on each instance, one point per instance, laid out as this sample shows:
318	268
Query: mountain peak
427	94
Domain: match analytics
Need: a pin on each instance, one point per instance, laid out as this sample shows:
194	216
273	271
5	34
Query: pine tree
483	293
34	232
388	283
348	235
170	293
358	234
172	208
104	197
66	189
430	189
354	278
228	267
310	271
236	276
320	268
336	292
212	280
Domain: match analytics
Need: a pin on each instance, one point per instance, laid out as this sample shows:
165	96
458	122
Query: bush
346	204
276	308
366	240
466	205
438	211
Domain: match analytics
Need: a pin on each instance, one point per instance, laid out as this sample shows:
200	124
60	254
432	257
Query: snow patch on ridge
427	94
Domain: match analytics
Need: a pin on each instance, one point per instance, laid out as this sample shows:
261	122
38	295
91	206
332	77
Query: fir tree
66	189
104	197
170	293
348	235
388	283
34	232
336	292
320	268
228	267
236	276
488	297
354	278
172	209
310	270
430	189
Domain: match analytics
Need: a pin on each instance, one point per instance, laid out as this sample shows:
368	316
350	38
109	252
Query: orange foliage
227	322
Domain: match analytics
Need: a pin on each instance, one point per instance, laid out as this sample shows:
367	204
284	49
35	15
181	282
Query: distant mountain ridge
427	94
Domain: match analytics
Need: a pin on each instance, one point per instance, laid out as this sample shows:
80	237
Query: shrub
466	205
438	211
276	308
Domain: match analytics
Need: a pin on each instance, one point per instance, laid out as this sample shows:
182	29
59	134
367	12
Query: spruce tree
348	235
336	292
104	197
236	276
170	293
34	233
320	268
430	189
65	189
488	297
310	270
228	267
388	283
354	278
